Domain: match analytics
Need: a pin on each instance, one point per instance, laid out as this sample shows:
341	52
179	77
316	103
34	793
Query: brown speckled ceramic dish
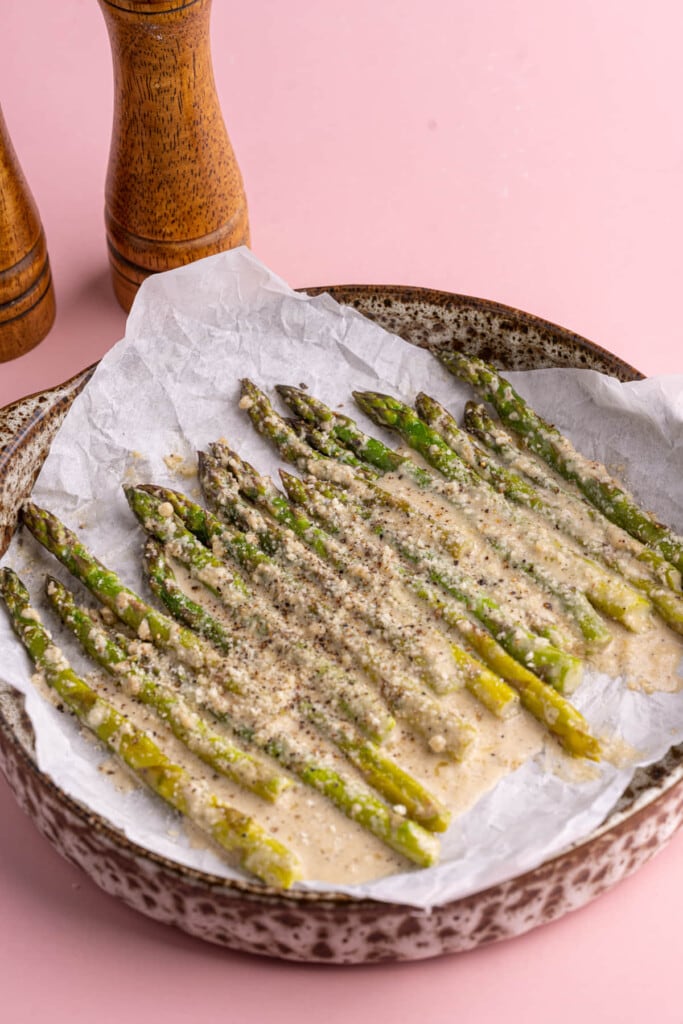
316	927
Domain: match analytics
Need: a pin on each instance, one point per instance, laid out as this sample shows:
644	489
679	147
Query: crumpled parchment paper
171	386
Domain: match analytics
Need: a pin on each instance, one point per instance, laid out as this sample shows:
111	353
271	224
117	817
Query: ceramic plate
312	926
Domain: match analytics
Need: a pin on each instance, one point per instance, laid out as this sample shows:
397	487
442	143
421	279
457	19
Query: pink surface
526	152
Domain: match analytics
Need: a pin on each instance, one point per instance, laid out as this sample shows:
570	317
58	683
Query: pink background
525	151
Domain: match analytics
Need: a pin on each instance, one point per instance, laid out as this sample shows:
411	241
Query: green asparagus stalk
548	706
184	721
281	434
323	442
321	675
128	606
238	512
351	797
455	544
163	584
390	412
396	785
488	687
494	437
449	539
546	440
560	718
438	419
381	772
360	804
371	451
258	852
573	520
342	428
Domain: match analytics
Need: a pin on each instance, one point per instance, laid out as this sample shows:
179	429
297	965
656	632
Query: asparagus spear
184	721
334	508
489	689
381	772
542	701
572	516
524	481
435	416
442	730
546	440
397	786
370	451
273	519
282	435
359	804
609	593
258	852
264	494
128	606
496	439
163	584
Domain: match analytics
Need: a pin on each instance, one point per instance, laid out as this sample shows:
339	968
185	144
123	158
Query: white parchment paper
172	385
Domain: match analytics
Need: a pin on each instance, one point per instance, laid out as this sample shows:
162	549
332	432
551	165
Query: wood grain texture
174	191
27	303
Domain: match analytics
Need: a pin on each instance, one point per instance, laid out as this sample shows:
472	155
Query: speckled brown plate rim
353	295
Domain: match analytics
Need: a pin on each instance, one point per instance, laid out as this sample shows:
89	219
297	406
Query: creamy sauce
331	847
651	662
359	643
482	519
650	659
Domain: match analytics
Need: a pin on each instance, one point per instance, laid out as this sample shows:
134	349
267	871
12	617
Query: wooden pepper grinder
27	299
174	192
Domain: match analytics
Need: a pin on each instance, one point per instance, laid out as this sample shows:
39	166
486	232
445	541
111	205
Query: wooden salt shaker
27	299
174	192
